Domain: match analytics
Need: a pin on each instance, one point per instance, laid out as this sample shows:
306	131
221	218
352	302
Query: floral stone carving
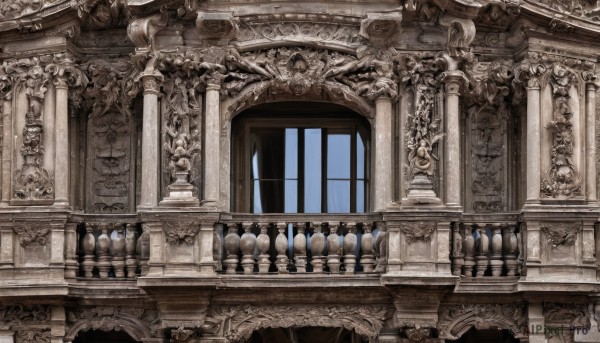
455	320
32	234
418	231
33	336
16	315
366	320
561	234
488	108
32	181
177	233
138	322
576	315
562	180
422	126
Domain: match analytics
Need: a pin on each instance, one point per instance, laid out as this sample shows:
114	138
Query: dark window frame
338	119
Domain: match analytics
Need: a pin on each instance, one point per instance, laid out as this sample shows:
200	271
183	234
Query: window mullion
301	174
324	136
353	182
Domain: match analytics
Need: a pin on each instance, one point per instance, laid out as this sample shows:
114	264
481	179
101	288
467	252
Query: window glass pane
269	148
338	156
360	157
338	196
291	153
312	170
360	196
267	196
291	196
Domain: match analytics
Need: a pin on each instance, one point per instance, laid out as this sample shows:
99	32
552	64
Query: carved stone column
7	147
61	145
533	140
452	82
590	137
7	246
212	145
383	153
150	147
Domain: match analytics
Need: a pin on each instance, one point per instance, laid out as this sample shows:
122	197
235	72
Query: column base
180	195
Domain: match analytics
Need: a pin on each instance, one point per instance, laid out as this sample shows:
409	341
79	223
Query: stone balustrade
110	250
301	247
486	249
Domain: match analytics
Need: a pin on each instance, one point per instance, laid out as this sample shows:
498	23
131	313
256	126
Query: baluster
89	248
218	246
510	248
381	247
481	258
333	249
457	250
102	252
263	243
130	246
367	259
247	246
350	241
469	246
281	246
118	252
300	249
142	250
232	248
496	255
317	245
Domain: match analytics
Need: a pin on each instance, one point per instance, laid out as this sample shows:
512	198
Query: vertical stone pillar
6	246
61	132
590	141
533	141
205	241
383	154
156	262
533	248
394	260
212	146
536	323
7	336
58	321
150	146
452	168
57	245
71	264
7	149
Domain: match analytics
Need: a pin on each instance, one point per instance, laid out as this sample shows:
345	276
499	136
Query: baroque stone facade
135	169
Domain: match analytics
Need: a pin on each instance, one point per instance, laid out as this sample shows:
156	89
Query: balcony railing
486	249
296	244
111	250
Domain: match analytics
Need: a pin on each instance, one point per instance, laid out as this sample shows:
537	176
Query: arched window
297	157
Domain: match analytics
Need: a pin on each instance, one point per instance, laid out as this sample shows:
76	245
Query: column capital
453	80
591	80
60	82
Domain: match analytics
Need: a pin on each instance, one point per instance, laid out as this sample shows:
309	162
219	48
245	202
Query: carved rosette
366	320
562	181
561	234
32	233
570	315
418	231
178	233
138	322
455	320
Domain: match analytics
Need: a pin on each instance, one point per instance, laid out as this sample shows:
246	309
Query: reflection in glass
312	170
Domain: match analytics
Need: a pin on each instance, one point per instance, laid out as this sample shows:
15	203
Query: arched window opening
486	336
306	335
96	336
298	157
